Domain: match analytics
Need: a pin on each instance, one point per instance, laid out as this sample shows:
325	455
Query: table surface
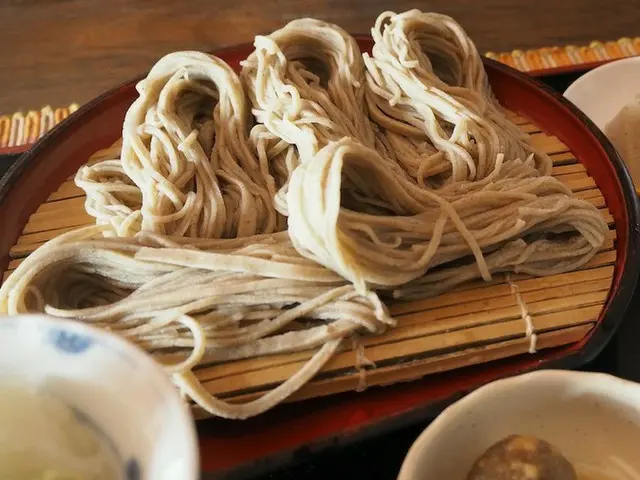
62	51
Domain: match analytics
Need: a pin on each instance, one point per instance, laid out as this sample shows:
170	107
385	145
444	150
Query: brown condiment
522	458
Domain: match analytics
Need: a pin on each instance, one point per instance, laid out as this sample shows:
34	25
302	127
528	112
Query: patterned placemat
550	58
21	128
25	128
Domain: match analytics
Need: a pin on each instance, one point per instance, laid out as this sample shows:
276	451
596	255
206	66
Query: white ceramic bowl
602	92
123	393
594	419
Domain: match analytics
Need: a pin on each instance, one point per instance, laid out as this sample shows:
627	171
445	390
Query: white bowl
594	419
604	91
121	392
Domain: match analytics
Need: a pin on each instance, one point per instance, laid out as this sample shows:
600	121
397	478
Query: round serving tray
303	426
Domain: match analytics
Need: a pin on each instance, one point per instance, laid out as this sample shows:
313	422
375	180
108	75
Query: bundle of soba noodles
401	231
185	166
395	174
427	88
192	301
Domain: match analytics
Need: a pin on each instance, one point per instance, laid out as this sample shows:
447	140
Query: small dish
604	91
592	418
109	385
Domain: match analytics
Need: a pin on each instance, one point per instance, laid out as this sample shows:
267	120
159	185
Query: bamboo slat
472	324
419	368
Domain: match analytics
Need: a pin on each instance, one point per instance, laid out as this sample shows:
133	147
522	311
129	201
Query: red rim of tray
290	431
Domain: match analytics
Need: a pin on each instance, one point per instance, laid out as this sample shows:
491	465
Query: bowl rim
590	75
152	371
453	411
587	77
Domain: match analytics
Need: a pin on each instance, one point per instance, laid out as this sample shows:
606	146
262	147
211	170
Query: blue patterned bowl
111	385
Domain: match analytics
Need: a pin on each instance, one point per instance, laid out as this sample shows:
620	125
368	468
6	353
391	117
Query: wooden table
62	51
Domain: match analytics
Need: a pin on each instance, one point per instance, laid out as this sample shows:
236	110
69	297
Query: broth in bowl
43	438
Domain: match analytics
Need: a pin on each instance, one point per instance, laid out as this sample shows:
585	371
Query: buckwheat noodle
427	229
269	213
197	302
427	87
185	166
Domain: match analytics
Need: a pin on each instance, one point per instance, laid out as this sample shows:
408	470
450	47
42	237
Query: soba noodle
364	177
421	229
306	83
185	166
197	302
427	88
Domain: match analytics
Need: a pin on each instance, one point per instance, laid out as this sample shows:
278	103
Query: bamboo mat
476	323
25	128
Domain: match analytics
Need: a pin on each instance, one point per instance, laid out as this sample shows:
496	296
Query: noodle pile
429	229
198	301
265	213
425	81
185	167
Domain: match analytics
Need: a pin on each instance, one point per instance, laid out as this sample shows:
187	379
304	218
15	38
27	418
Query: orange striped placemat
25	128
551	58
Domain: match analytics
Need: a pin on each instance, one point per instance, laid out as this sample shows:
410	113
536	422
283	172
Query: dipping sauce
42	438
